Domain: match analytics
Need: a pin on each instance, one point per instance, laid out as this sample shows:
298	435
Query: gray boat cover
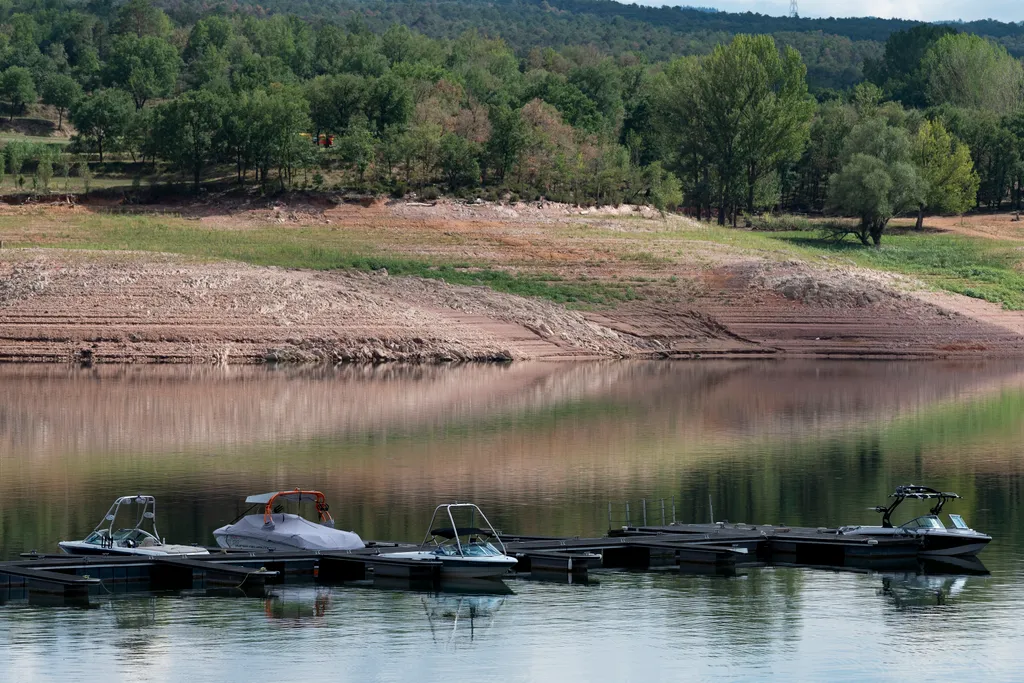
289	531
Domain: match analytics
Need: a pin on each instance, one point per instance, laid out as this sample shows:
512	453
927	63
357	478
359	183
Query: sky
925	10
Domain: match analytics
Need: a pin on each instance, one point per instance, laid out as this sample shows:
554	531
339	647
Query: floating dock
714	549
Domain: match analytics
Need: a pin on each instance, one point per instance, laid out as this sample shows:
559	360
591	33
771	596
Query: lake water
542	449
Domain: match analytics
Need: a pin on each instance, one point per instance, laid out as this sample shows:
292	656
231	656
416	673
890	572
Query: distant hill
834	49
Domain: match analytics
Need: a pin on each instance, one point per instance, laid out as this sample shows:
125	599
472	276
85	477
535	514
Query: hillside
834	49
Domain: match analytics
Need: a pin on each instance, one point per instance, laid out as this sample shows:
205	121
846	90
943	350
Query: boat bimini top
917	492
277	530
296	496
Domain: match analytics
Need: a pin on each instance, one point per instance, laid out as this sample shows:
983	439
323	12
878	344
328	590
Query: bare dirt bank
127	307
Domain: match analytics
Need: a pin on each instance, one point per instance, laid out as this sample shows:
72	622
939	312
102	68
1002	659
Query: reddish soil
699	298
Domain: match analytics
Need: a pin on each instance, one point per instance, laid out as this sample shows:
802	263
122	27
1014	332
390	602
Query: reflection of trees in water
545	448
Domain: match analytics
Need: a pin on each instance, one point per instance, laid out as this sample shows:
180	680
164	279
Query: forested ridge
724	115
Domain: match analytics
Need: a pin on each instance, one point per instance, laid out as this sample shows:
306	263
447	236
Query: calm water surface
543	449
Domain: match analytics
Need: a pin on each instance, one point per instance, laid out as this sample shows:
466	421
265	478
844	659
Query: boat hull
80	548
950	543
464	567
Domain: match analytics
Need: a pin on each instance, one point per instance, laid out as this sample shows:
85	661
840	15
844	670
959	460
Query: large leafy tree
966	70
749	111
946	166
898	71
17	88
103	117
878	179
145	67
187	129
61	91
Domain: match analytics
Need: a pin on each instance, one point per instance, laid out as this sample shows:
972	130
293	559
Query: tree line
936	126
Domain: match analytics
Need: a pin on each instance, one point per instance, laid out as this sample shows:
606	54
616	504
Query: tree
898	72
17	88
145	67
103	117
877	180
507	141
389	102
140	18
945	165
748	109
966	70
334	100
187	129
61	91
458	162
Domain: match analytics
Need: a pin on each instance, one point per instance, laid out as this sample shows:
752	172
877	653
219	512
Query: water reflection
542	448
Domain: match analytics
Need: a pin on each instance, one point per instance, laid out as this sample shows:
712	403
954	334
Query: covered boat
275	529
105	540
465	552
937	540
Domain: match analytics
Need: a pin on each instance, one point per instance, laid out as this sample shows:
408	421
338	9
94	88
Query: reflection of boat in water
277	530
465	613
936	538
934	584
296	604
105	540
464	551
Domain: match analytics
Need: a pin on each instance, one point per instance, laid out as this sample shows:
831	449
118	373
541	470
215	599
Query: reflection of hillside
46	410
546	445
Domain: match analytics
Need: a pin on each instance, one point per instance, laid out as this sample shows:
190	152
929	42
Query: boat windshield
958	522
474	549
926	522
97	537
133	537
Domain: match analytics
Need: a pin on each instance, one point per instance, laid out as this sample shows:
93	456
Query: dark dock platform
712	549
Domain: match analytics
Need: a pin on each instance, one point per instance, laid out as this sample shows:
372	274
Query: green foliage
877	180
946	166
103	117
60	91
898	73
146	67
186	131
458	162
17	88
966	70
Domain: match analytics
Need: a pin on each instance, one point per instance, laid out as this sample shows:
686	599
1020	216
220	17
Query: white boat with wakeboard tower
105	540
937	540
465	552
276	530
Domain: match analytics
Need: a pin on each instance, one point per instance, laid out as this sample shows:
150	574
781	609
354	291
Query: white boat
937	540
275	530
105	540
476	557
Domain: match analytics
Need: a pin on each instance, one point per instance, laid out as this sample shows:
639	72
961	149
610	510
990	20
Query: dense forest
580	101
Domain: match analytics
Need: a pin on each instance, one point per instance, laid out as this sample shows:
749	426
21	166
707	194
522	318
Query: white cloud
925	10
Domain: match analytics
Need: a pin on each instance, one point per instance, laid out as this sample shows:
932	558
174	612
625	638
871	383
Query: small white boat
473	558
937	540
105	540
275	530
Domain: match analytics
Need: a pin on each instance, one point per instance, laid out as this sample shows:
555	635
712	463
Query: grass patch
983	269
313	248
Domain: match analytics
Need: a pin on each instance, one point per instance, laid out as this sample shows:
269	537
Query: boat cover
289	530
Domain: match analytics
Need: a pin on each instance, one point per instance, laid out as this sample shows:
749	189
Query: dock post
609	514
663	512
673	509
643	502
627	513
